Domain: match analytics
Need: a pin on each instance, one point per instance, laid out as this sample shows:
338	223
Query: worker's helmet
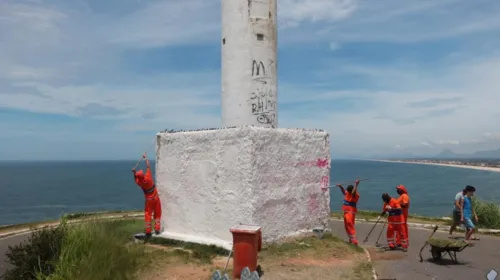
139	174
401	189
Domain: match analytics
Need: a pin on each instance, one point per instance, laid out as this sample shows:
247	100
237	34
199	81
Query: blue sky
94	79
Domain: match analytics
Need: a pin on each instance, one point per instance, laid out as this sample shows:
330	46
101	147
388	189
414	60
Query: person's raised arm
341	189
149	175
355	187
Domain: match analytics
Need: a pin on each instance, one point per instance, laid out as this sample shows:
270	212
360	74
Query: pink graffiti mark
324	183
321	163
313	203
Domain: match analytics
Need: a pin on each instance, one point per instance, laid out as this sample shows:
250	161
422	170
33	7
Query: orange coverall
395	223
153	203
404	201
350	210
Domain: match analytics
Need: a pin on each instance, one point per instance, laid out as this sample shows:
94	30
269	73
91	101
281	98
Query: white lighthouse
249	63
250	171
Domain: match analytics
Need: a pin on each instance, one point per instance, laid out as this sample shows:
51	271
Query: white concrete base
211	180
197	239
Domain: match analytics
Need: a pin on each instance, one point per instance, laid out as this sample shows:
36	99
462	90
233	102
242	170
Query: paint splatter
321	163
324	183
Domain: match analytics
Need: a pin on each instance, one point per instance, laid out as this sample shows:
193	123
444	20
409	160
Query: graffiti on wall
263	96
321	163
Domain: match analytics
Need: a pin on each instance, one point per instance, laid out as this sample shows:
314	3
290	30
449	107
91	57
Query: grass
370	215
297	246
99	249
102	249
199	252
310	258
304	257
488	213
438	242
68	217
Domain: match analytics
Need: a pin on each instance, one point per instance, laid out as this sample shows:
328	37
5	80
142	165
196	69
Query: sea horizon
42	190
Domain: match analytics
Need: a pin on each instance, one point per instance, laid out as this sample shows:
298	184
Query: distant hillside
489	154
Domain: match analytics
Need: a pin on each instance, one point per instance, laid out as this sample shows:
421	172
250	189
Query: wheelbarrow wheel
436	254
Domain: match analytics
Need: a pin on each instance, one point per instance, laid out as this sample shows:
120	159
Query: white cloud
334	46
68	58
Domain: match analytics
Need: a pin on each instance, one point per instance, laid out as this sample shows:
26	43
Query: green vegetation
328	243
81	215
370	215
90	250
37	256
437	242
68	217
488	213
200	252
96	249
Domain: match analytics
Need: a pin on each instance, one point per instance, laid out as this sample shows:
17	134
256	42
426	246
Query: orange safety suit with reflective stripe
153	203
350	209
395	223
404	201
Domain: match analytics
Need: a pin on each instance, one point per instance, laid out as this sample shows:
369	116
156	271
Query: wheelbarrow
440	247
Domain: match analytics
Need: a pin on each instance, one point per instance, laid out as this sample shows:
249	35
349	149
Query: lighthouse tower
249	63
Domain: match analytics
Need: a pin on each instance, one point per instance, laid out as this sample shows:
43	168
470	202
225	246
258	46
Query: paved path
4	246
474	262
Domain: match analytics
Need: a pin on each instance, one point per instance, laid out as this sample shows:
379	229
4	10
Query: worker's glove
133	170
388	207
339	185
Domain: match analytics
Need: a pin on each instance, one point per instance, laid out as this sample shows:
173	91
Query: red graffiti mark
324	183
321	163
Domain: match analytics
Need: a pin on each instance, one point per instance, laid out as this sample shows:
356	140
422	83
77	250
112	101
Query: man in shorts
468	213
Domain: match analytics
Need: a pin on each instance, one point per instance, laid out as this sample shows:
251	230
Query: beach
482	168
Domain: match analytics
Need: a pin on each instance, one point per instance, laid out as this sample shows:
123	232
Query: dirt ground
302	258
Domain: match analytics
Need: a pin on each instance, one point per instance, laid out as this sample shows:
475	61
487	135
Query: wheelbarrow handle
427	242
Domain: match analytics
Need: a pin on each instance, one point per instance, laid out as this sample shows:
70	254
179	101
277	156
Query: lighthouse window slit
223	41
260	37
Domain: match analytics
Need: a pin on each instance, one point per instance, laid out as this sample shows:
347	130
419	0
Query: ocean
34	191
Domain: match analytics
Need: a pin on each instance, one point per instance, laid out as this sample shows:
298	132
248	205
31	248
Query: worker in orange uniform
351	197
404	201
153	203
395	221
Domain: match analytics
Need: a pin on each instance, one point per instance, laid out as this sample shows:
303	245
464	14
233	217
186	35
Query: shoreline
481	168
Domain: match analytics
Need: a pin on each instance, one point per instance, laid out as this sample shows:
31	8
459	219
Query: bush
90	250
37	256
97	250
488	213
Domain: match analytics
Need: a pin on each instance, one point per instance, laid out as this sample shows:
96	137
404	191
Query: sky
94	79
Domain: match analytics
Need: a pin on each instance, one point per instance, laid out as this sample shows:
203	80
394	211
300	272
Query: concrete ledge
368	256
425	226
56	223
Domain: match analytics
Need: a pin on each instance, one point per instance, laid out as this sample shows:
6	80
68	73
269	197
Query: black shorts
457	216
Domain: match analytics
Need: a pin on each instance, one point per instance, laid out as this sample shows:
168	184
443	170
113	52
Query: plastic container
247	243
